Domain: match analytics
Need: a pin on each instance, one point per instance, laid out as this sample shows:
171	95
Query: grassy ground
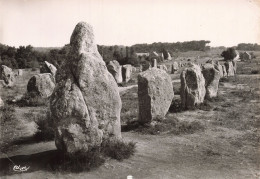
218	140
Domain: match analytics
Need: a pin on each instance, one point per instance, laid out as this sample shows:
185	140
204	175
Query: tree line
30	57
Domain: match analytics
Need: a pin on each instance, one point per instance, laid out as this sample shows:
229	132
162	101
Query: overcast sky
49	23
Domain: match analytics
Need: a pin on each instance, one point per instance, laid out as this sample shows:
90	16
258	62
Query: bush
205	106
94	158
45	130
255	71
176	106
118	150
76	162
229	54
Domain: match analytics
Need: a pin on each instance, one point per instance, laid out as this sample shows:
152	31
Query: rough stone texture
163	67
48	68
155	94
1	102
192	86
175	67
212	76
229	68
126	72
217	66
86	104
116	70
224	70
41	84
220	69
7	75
234	63
154	63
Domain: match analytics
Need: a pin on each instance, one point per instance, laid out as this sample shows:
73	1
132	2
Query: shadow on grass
58	161
173	126
52	161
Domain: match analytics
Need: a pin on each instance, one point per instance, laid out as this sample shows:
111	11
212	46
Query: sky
49	23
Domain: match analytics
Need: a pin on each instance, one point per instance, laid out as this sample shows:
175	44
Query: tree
229	54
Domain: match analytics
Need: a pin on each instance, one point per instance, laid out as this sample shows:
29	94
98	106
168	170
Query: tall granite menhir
155	94
192	86
85	105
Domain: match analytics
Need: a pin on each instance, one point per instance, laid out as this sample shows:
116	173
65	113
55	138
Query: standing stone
116	70
8	76
163	67
155	94
169	56
41	84
48	68
19	72
229	68
126	72
220	70
141	68
234	63
154	63
1	102
175	67
224	70
212	76
192	86
86	104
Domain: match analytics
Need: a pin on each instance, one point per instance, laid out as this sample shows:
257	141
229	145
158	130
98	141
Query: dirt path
162	156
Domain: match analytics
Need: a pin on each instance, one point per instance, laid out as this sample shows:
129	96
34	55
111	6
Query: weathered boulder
163	67
8	76
212	76
229	68
224	70
192	86
86	104
41	84
175	67
48	68
155	94
116	70
126	72
154	63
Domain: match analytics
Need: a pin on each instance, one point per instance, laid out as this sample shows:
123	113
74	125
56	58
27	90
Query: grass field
218	140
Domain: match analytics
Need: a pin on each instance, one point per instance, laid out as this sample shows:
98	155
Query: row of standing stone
198	82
